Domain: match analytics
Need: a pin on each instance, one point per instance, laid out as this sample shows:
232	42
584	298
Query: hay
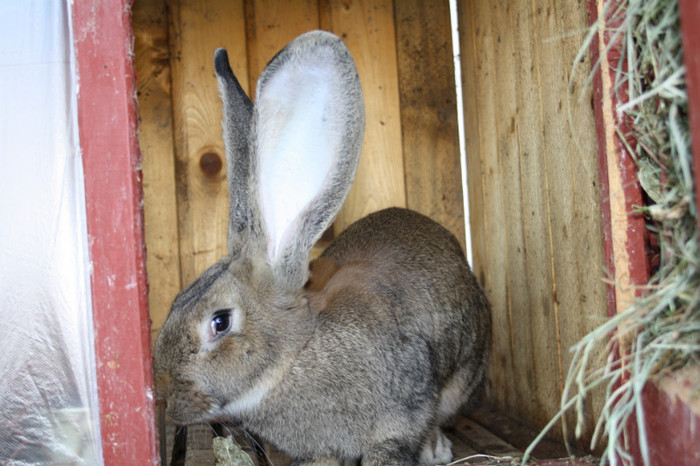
228	453
660	332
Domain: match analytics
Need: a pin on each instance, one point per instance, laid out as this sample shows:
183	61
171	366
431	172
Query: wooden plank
525	376
570	316
272	24
429	112
197	29
538	250
535	306
483	441
550	75
482	159
671	417
152	61
367	27
581	289
107	129
468	46
622	229
518	434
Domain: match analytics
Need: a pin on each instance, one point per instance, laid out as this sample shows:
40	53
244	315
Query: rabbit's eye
220	323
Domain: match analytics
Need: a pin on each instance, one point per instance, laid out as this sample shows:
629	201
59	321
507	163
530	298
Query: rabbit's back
417	285
401	236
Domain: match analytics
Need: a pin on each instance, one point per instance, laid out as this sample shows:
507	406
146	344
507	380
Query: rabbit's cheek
188	404
251	397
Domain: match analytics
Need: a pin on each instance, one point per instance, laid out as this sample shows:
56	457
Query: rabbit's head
291	159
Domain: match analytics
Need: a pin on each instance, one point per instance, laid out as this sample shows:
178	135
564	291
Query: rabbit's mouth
191	411
184	404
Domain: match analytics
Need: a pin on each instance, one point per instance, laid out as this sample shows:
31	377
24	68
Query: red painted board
623	231
604	183
690	27
672	429
107	127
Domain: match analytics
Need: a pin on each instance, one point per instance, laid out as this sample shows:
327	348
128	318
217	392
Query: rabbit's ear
309	124
238	116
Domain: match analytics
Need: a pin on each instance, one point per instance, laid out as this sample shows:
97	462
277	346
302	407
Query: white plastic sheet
48	401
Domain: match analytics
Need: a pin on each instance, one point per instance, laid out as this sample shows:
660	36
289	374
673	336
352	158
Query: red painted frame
670	424
107	121
635	242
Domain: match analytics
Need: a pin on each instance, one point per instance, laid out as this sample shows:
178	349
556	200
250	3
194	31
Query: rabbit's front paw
438	450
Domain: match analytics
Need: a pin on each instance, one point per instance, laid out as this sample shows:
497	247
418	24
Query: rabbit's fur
367	355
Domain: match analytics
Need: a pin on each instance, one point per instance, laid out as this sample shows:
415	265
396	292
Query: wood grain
525	332
544	384
479	66
468	44
429	125
534	150
481	440
367	27
197	28
271	25
584	273
152	61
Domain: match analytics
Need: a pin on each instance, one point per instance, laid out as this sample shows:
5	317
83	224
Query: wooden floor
481	437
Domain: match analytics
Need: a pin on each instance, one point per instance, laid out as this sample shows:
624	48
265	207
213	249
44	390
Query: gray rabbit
362	354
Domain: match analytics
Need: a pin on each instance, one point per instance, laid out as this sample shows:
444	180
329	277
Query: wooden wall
533	192
411	152
530	147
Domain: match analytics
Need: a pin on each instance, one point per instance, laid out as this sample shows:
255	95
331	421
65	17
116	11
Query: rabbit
360	355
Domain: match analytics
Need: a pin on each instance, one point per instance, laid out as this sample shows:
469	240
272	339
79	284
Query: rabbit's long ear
238	117
309	124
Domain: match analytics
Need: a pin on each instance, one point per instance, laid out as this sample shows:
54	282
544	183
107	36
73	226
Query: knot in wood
211	164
